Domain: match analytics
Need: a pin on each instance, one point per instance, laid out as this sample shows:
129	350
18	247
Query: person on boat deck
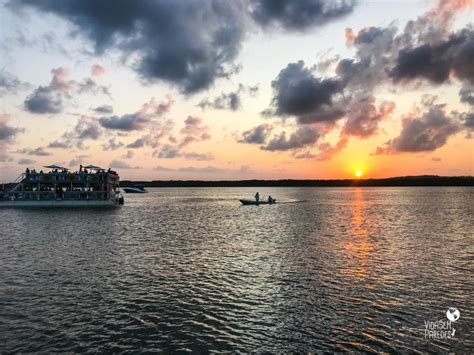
27	170
257	197
270	199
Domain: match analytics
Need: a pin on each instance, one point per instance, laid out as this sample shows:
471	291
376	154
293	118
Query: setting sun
358	173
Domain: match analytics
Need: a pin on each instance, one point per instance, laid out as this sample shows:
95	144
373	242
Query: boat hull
60	203
134	190
253	202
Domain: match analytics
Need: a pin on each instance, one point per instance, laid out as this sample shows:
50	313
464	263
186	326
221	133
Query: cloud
170	152
37	151
300	14
466	94
112	144
8	133
302	137
60	144
257	135
297	92
205	170
87	128
10	84
97	70
326	151
188	44
104	109
119	164
89	86
428	132
130	154
138	120
193	131
26	161
138	143
51	98
436	62
228	101
127	122
44	100
436	159
364	117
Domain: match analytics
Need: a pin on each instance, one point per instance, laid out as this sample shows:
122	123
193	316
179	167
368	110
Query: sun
358	173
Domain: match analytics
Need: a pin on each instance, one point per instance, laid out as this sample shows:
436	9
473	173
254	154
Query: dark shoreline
424	180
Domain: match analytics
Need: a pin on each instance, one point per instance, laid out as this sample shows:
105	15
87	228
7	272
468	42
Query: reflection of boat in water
135	189
92	186
255	202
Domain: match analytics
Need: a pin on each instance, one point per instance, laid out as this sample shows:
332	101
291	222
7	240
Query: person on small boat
271	199
257	197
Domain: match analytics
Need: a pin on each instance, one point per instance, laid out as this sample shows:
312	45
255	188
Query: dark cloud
112	144
467	119
228	101
299	14
186	43
90	86
297	92
466	94
44	100
87	128
304	136
127	122
37	151
257	135
60	144
138	143
364	117
26	161
428	132
104	109
138	120
435	62
8	133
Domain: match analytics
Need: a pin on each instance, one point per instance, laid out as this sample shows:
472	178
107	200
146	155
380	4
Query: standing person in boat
257	197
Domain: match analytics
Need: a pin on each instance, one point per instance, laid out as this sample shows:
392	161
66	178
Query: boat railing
16	183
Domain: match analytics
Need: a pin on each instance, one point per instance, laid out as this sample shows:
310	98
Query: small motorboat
135	189
255	202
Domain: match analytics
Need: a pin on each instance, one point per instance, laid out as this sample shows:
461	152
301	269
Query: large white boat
135	189
89	186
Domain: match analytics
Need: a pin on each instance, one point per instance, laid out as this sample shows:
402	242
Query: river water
335	269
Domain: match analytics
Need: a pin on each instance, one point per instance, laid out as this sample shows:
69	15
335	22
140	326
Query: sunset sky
238	89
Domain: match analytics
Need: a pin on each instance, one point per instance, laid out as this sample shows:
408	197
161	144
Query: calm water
337	269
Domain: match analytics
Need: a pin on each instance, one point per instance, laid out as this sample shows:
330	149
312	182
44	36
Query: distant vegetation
424	180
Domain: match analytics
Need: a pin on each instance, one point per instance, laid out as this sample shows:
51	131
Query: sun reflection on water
359	248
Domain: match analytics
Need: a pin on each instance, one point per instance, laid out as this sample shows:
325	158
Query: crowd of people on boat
82	170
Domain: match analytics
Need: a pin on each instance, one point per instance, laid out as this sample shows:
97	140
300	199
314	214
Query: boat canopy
93	167
54	166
